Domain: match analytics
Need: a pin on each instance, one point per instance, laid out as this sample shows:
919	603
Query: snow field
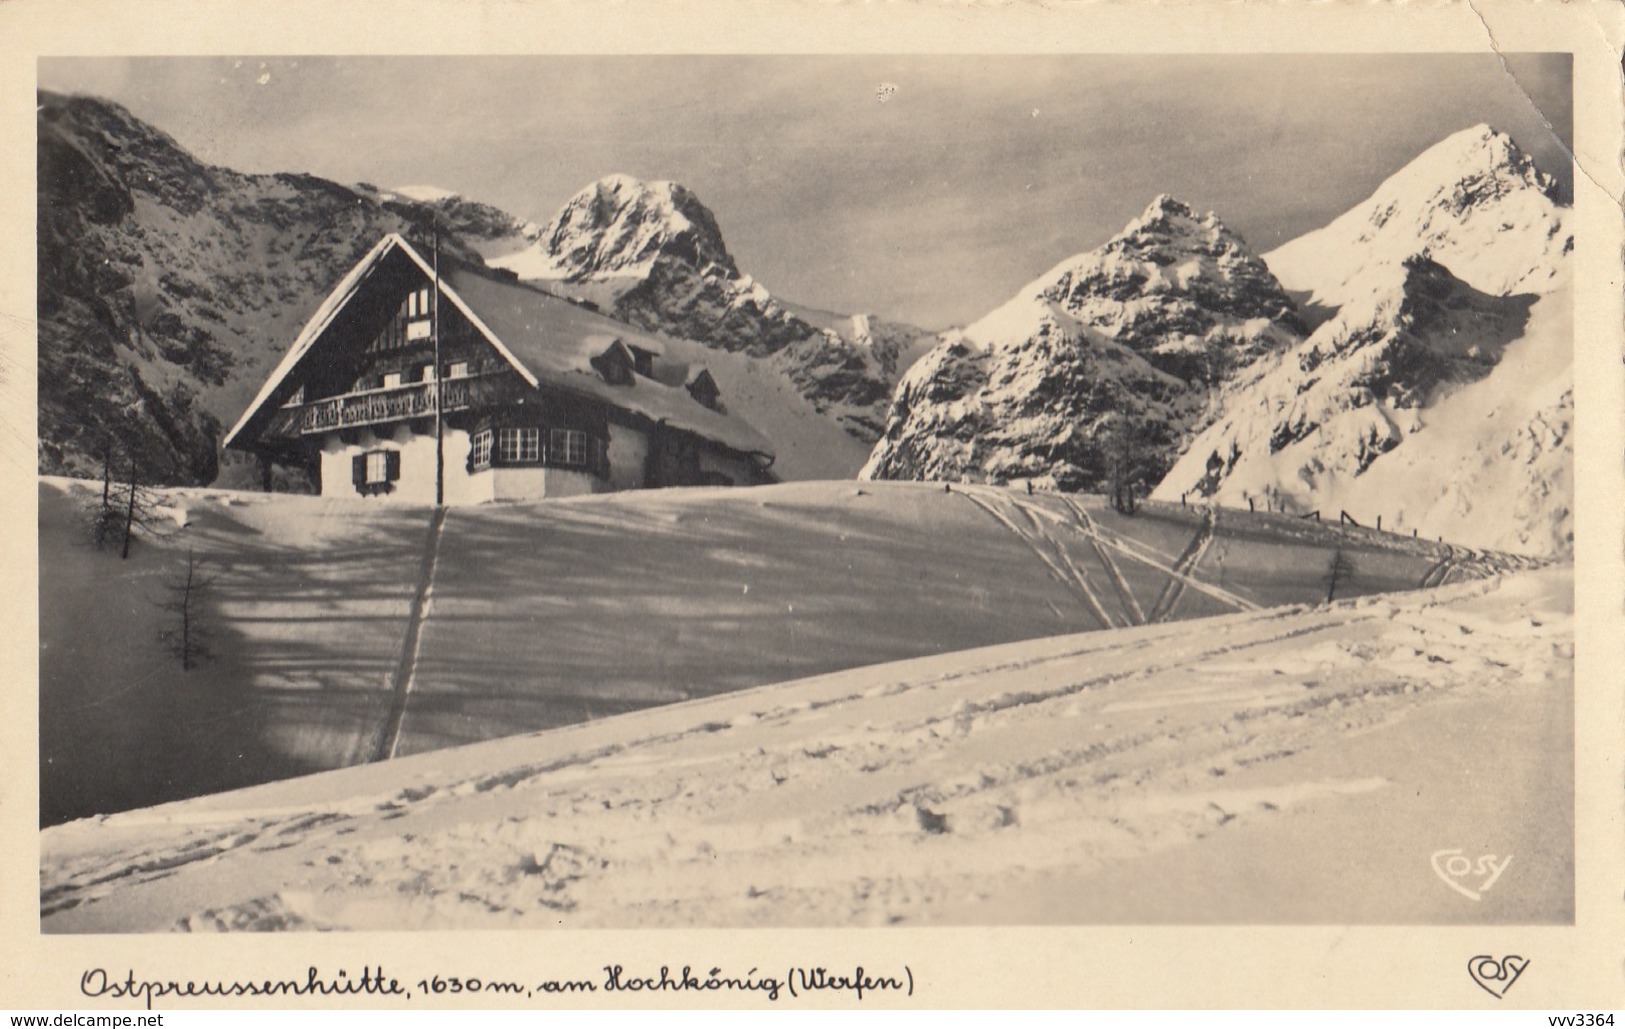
1069	779
541	615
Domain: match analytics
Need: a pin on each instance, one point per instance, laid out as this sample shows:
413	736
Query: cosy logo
1495	976
1472	879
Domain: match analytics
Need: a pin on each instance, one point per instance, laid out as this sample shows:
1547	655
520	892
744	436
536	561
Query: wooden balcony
390	404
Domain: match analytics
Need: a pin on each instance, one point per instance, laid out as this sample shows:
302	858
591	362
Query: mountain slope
490	231
1128	340
653	255
168	288
1438	394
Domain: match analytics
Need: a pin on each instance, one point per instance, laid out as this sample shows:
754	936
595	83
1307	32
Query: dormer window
703	388
615	364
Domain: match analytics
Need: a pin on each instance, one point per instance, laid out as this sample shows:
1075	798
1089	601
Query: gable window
519	446
479	451
566	447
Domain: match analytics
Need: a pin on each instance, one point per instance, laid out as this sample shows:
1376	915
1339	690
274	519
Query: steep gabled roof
546	339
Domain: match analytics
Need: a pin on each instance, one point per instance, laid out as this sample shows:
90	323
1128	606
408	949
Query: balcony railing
392	404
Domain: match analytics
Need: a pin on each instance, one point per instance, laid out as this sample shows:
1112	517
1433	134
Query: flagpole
439	382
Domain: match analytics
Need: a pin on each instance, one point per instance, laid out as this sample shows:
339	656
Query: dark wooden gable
703	388
616	364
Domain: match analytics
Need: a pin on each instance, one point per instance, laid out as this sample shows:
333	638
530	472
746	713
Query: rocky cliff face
1439	392
653	255
1123	345
168	288
1330	406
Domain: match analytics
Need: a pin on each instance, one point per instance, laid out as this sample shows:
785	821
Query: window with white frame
458	370
566	447
375	471
480	450
519	446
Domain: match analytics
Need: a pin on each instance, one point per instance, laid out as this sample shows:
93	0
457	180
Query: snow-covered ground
538	615
1291	764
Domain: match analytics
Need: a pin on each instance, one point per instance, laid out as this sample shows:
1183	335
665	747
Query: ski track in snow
1050	553
389	735
1092	533
903	792
1185	566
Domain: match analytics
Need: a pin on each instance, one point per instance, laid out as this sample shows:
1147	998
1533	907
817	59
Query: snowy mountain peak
1169	215
1438	391
1171	277
620	225
1474	202
1481	153
650	253
1144	328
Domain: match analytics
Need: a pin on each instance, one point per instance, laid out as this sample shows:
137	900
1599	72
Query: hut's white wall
628	455
416	482
539	483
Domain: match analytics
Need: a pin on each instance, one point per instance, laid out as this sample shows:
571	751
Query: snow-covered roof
546	339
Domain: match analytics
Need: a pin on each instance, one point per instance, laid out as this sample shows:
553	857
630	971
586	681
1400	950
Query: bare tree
134	510
1337	573
104	516
187	634
1219	360
1125	461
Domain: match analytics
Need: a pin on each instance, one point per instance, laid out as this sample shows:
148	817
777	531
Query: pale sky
933	206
